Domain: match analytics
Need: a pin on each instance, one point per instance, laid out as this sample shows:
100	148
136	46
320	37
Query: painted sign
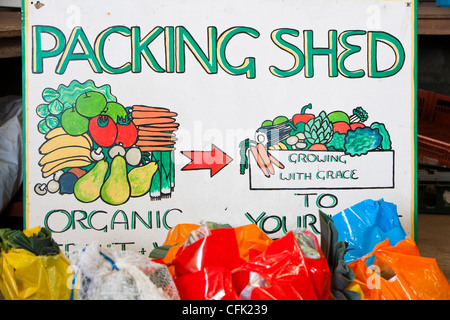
143	115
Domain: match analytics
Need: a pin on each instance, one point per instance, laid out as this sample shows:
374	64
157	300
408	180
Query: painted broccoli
361	141
337	142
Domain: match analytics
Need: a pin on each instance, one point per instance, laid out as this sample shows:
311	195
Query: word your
270	224
273	223
175	41
60	220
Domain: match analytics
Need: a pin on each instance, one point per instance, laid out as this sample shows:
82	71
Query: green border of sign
414	206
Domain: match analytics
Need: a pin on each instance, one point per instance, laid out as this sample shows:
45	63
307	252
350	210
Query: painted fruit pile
335	131
96	148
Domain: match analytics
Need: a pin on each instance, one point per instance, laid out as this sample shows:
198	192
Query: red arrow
214	160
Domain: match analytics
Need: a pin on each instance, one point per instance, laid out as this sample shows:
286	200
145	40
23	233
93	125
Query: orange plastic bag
176	237
251	240
399	273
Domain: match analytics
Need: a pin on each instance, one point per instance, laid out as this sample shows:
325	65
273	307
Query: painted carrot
259	161
150	121
152	114
151	149
265	157
152	138
160	126
275	161
147	108
145	133
152	143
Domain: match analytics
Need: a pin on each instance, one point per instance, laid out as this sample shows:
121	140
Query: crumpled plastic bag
209	283
293	267
26	275
175	239
208	248
201	258
204	264
113	274
251	240
10	148
225	263
366	224
399	273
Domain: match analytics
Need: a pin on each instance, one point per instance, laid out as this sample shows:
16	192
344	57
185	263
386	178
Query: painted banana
64	141
88	138
62	150
51	167
65	152
59	131
55	132
278	146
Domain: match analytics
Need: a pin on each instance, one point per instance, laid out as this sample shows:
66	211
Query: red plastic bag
399	273
217	248
176	237
291	268
210	283
250	238
204	265
243	263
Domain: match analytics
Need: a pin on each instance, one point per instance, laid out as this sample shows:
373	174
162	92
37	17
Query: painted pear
116	189
87	188
141	178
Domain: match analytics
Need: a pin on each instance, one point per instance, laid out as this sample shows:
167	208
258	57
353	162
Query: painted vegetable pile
304	131
97	148
335	131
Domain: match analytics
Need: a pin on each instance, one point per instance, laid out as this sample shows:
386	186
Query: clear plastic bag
111	274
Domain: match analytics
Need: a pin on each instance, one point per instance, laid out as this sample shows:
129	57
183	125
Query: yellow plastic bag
399	273
27	276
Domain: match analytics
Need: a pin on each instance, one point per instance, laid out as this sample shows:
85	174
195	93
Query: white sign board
144	114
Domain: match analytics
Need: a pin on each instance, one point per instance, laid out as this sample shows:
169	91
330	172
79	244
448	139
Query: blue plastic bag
366	224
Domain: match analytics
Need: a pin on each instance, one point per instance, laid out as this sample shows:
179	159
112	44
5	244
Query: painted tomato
103	130
355	125
126	134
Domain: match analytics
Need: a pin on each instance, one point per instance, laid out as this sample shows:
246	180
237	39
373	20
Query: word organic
175	41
